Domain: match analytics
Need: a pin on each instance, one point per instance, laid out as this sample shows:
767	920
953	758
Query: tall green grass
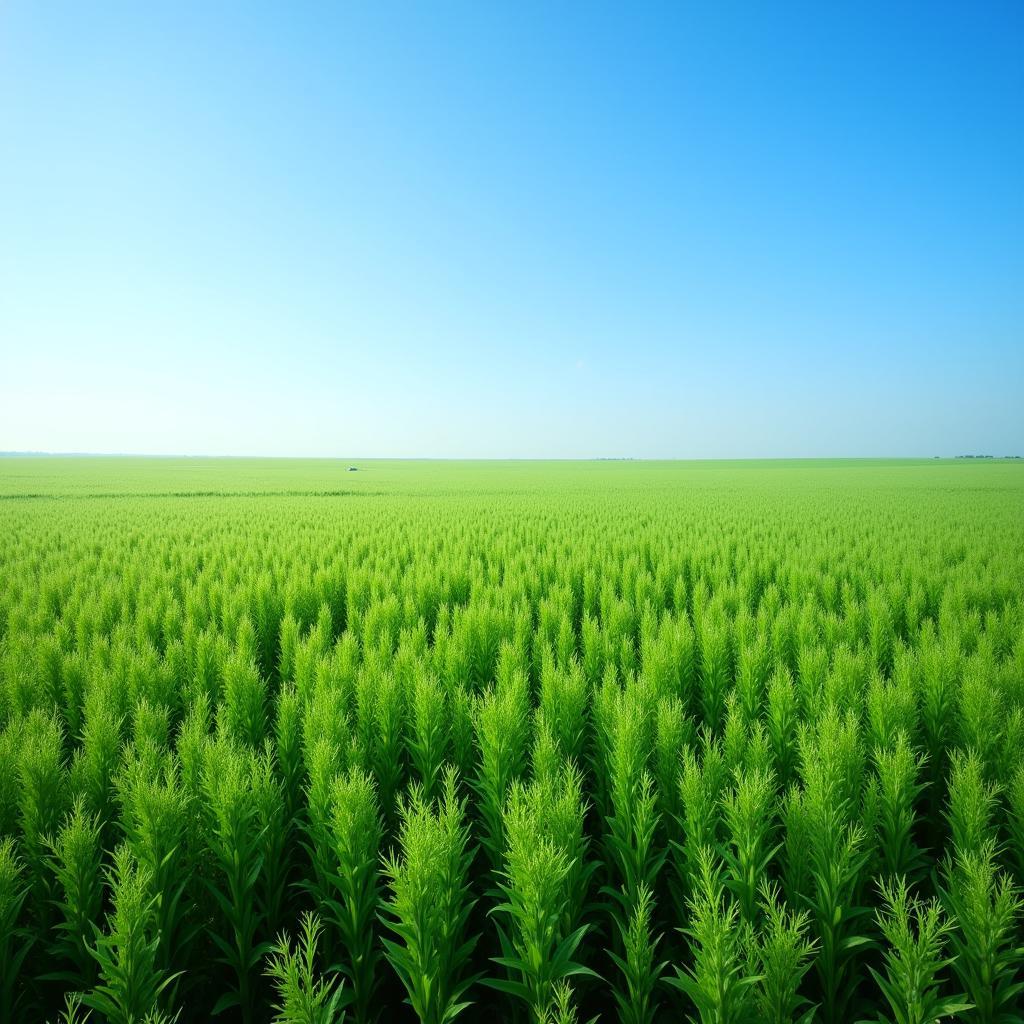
549	743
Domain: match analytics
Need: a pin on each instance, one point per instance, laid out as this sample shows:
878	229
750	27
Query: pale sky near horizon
525	230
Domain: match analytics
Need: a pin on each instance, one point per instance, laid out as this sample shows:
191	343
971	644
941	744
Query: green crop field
528	742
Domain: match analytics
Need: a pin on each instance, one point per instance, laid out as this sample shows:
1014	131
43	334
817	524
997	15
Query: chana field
527	742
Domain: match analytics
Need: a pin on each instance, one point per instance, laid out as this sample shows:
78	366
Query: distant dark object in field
353	469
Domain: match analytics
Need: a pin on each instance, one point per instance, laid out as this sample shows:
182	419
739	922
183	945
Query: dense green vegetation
511	741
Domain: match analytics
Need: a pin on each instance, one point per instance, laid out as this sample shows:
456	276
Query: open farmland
511	741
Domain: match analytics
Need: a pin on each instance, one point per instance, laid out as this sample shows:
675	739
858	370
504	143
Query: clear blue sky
519	229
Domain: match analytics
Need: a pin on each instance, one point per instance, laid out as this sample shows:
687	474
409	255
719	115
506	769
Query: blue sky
717	230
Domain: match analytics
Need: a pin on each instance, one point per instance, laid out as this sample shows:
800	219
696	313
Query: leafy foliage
544	743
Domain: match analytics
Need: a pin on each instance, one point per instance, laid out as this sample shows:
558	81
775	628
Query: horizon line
966	456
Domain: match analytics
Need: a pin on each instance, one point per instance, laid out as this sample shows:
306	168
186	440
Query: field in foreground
540	741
